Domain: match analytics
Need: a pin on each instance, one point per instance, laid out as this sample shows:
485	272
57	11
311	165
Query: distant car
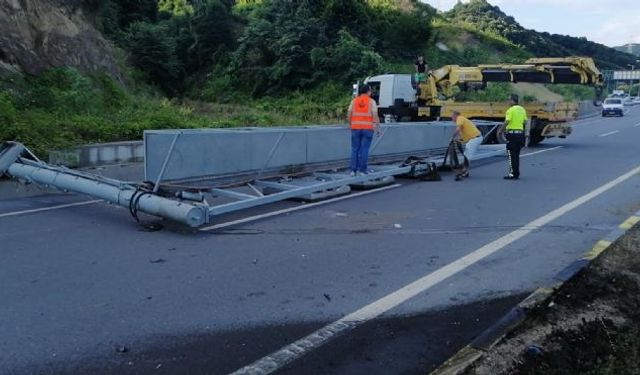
636	100
628	101
613	106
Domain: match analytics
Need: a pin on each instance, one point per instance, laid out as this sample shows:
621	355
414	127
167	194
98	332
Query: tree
273	52
175	7
200	35
154	52
347	60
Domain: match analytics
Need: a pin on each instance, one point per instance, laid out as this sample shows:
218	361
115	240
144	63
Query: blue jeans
360	143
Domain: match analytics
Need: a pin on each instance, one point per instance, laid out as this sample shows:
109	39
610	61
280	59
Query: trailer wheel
535	134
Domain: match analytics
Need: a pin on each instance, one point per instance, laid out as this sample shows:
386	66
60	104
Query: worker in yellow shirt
514	124
467	133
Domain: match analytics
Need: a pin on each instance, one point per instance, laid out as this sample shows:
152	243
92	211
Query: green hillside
198	63
632	48
490	19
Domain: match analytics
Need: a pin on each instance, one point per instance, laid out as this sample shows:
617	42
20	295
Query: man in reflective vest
515	119
364	120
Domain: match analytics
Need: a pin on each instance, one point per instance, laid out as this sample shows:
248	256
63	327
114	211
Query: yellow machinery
435	96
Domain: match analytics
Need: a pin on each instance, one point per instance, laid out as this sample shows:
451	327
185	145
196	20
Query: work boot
510	177
352	174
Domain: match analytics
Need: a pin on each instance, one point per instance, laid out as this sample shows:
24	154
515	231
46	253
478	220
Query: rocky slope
39	34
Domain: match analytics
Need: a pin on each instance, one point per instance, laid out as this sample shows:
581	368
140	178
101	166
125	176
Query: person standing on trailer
364	121
514	124
421	70
467	133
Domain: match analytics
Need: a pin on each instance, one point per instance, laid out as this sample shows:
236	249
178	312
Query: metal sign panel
626	75
214	152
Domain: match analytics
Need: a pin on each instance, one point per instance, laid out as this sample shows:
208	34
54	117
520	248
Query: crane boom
548	70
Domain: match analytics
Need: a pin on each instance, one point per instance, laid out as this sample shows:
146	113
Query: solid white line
297	208
291	352
609	133
636	125
16	213
540	152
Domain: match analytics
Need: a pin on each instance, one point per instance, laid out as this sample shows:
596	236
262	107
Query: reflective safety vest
516	116
361	119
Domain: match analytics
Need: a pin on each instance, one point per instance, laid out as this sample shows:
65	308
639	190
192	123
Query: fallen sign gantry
195	175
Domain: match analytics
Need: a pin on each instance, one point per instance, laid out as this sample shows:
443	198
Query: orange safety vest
361	119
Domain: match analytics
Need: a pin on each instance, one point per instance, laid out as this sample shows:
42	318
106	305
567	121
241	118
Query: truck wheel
501	138
535	138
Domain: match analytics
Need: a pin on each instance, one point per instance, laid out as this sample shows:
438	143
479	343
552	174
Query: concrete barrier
587	109
95	155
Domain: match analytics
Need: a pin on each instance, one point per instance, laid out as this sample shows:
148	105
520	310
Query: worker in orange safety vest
364	121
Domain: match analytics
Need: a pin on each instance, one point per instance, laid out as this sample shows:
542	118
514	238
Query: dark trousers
360	143
515	143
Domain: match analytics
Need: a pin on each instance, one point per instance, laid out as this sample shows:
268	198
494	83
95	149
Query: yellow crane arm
549	70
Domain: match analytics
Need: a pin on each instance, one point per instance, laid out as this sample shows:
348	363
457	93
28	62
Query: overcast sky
608	22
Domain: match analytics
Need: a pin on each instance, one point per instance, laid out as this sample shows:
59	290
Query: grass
462	44
62	108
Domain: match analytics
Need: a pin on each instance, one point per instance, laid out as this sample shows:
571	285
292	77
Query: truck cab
394	94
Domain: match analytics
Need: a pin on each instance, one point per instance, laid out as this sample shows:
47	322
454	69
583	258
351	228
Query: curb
472	352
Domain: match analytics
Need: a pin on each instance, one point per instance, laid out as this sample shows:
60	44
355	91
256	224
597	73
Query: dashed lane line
609	133
541	151
51	208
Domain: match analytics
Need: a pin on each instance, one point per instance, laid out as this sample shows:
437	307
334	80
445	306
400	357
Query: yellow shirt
516	117
467	129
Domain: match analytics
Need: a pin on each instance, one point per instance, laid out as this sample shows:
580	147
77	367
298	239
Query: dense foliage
265	47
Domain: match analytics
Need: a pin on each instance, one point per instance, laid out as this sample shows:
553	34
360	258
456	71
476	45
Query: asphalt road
84	290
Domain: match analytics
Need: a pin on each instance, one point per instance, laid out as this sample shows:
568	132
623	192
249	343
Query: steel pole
189	214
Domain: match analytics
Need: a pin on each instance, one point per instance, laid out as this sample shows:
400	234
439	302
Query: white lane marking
291	352
292	209
609	133
16	213
540	152
636	125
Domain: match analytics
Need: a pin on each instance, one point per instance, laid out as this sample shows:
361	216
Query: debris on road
122	349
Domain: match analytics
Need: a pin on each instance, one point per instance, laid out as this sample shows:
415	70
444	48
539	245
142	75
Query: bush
347	60
573	92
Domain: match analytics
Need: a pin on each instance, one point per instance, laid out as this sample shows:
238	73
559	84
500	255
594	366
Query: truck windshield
613	101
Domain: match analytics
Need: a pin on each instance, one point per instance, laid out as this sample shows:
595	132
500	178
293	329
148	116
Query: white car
613	106
628	101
